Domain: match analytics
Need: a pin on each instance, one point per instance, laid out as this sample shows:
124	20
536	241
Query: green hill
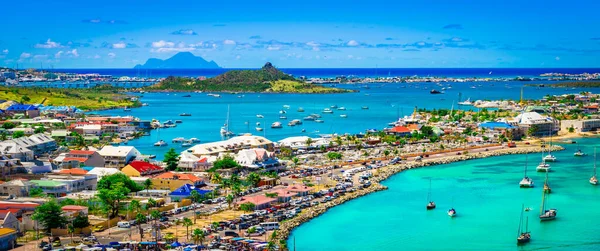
266	79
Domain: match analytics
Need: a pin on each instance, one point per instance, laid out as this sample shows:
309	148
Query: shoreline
381	174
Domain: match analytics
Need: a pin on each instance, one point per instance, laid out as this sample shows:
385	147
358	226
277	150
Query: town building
39	143
260	201
172	181
30	111
103	171
256	158
185	191
231	145
583	125
17	188
118	156
138	168
8	239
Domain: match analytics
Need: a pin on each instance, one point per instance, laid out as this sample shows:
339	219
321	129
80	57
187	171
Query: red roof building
141	168
259	201
400	130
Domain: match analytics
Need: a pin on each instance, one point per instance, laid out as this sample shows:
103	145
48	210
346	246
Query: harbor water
488	200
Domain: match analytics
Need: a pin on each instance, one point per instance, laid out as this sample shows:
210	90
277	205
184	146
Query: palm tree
270	246
140	218
309	141
216	178
195	198
198	236
147	185
187	223
155	216
71	230
229	199
134	206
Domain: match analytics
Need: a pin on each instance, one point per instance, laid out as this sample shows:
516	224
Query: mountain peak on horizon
181	60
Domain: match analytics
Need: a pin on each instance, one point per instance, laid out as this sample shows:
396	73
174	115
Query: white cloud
96	56
49	44
163	44
169	49
73	53
313	44
229	42
273	48
111	55
40	56
25	55
352	43
238	57
456	39
557	58
119	45
5	51
58	54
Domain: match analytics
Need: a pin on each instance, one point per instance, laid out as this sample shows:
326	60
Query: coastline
384	173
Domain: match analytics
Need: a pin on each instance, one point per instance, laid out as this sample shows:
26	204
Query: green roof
47	183
59	133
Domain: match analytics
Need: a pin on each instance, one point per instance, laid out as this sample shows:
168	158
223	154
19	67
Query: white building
256	158
103	171
231	145
545	125
118	156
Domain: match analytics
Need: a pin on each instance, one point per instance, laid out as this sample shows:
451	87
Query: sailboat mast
543	202
521	220
429	193
527	224
594	162
525	165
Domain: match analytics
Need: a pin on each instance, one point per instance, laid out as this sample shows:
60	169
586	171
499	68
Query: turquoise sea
385	101
487	197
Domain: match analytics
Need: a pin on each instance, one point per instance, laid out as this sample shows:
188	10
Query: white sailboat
543	167
526	182
550	157
431	203
225	128
594	179
523	236
546	214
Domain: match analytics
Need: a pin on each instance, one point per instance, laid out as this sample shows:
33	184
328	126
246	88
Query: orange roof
591	107
400	129
256	200
74	171
283	193
413	127
81	152
143	167
298	188
180	176
74	208
73	158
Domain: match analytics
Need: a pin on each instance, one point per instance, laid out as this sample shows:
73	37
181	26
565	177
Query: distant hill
266	79
181	60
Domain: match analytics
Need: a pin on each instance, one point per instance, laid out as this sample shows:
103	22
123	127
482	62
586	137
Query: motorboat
259	129
327	110
579	153
282	112
178	140
309	118
185	114
319	121
194	140
259	116
315	115
452	212
343	116
282	117
342	108
334	107
276	125
186	144
160	143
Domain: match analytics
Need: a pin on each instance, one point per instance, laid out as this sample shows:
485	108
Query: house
89	129
30	111
299	190
51	187
118	156
8	239
72	210
185	191
256	158
283	195
103	171
172	181
39	143
260	201
9	220
73	171
543	125
231	145
76	183
18	188
593	108
138	168
191	163
87	158
399	130
15	151
25	206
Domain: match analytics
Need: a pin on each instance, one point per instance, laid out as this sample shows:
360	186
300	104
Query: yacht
300	109
194	140
526	182
546	214
276	125
309	118
225	132
543	167
327	110
177	140
547	188
343	115
334	107
342	108
315	115
186	144
466	102
524	236
431	204
160	143
594	179
259	116
550	158
452	212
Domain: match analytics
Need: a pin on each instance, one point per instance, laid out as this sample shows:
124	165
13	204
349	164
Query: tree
147	184
172	159
40	129
532	130
216	178
134	206
571	129
225	163
36	192
109	181
386	153
229	199
309	142
140	219
71	230
195	196
187	223
18	134
155	214
25	99
67	201
295	160
50	215
253	178
111	198
334	155
9	125
247	207
81	221
198	236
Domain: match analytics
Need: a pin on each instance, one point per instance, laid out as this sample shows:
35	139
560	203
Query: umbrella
175	244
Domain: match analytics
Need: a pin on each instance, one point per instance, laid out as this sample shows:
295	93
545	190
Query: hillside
581	84
182	60
266	79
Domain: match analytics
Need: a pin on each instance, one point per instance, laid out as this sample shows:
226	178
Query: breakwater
385	172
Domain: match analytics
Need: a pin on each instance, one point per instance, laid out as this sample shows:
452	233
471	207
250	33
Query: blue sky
302	34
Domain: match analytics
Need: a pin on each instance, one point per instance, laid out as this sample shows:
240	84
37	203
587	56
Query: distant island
584	84
266	79
181	60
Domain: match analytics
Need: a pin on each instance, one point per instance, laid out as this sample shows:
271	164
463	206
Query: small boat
466	102
300	109
282	112
550	158
315	115
594	179
282	117
579	153
434	91
365	108
319	121
186	144
309	118
257	123
276	125
185	114
343	115
186	96
259	129
194	140
177	140
286	106
452	212
526	182
327	110
334	107
126	109
431	204
546	214
259	116
303	130
178	121
523	236
342	108
160	143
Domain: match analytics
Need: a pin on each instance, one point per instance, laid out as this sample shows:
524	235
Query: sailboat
523	237
543	167
452	212
526	182
546	214
547	188
579	153
225	128
431	204
550	157
594	179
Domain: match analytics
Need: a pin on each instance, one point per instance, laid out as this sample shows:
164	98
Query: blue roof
494	125
186	191
18	107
